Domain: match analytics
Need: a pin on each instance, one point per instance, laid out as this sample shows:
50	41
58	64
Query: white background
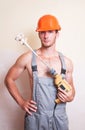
22	16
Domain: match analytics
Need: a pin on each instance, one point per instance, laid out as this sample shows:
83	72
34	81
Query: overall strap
63	65
35	76
34	65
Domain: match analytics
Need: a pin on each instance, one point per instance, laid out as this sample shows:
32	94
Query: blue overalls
49	116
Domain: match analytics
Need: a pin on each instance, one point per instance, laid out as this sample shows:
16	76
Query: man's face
47	38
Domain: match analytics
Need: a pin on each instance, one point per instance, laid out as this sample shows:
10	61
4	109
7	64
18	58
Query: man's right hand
29	106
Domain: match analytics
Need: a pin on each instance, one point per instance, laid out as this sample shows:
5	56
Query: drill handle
62	83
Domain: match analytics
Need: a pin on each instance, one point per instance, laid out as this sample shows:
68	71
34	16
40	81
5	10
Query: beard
47	44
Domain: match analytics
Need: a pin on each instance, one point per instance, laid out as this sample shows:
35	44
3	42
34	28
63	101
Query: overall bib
49	116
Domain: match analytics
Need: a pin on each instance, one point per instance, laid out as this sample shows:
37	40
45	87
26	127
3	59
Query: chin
47	46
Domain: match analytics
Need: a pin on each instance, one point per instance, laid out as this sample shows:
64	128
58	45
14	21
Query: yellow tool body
62	83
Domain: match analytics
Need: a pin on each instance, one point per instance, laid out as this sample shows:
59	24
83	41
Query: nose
46	34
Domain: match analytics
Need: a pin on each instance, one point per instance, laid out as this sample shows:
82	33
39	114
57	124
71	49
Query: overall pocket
30	122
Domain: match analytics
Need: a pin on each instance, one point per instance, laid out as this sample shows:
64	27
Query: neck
48	52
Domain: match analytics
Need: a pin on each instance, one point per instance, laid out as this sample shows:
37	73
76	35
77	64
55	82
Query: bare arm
12	75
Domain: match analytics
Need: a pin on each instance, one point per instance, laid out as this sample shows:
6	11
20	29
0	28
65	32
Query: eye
42	32
50	31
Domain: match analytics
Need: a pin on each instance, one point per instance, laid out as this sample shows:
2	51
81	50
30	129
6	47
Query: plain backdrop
22	16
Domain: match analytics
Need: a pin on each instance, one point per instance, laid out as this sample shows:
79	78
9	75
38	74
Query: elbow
6	81
72	97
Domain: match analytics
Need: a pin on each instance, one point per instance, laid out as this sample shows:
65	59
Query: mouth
46	41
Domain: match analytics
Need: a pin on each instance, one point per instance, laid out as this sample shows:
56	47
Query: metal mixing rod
20	38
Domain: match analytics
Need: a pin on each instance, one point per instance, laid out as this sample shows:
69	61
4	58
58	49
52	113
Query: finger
28	111
32	109
31	106
61	96
33	102
60	89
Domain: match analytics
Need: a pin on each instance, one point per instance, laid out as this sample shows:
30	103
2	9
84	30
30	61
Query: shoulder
26	55
69	64
24	58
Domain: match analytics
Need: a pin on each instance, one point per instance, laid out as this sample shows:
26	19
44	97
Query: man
42	113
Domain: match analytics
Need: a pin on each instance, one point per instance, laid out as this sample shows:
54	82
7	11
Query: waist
57	108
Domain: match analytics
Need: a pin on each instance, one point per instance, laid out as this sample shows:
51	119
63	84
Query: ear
39	34
57	34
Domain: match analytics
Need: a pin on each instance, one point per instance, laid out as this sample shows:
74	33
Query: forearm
13	90
73	92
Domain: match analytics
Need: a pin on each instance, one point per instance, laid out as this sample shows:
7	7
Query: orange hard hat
48	22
